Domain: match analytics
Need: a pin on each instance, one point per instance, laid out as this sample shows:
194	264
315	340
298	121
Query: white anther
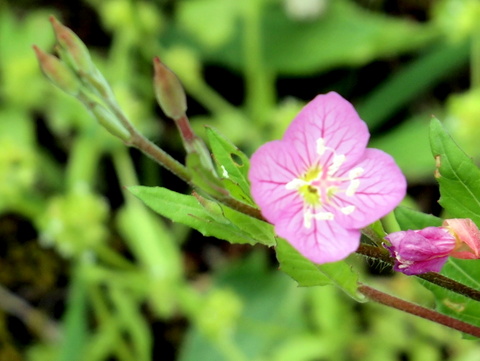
347	210
352	187
321	146
308	216
324	216
355	172
338	160
295	184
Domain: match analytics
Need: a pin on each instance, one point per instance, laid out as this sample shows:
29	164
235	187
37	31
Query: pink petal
430	265
382	187
324	242
466	232
421	245
272	166
333	119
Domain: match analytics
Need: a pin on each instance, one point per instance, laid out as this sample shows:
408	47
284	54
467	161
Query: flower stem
475	60
414	309
259	95
140	142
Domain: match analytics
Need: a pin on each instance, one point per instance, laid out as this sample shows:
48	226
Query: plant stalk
414	309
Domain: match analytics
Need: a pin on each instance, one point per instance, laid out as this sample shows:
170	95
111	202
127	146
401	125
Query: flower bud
420	251
427	250
57	72
169	91
75	50
109	122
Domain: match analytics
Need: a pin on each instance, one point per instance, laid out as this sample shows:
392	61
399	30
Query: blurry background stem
475	59
259	81
38	322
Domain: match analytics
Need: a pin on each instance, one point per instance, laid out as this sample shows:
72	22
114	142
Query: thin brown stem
414	309
432	277
449	284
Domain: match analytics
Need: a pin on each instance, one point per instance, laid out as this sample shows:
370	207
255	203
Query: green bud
110	122
169	91
57	72
75	50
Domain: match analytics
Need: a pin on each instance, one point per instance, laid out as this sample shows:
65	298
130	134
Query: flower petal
431	242
325	241
382	186
272	166
430	265
334	120
467	235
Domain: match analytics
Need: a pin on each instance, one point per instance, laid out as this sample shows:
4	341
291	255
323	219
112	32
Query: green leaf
343	35
410	219
232	165
308	274
457	175
207	217
411	81
203	177
408	145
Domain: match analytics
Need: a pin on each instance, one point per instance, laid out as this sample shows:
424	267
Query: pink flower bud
427	250
169	91
420	251
74	49
57	72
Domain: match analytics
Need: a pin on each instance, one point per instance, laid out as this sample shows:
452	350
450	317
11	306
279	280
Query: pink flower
427	250
319	185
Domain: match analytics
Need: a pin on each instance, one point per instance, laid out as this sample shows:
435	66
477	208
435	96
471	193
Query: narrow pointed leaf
209	218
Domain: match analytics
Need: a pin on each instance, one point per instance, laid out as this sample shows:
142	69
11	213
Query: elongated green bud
57	72
169	91
74	49
109	122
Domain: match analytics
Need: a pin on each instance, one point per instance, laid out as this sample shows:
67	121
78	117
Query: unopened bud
110	122
169	91
57	72
75	50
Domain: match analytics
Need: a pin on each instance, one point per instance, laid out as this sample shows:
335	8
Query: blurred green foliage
127	268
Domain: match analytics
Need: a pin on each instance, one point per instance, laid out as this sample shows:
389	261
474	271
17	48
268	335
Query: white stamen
355	172
347	210
338	160
321	146
307	219
324	216
295	184
352	187
224	172
321	216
